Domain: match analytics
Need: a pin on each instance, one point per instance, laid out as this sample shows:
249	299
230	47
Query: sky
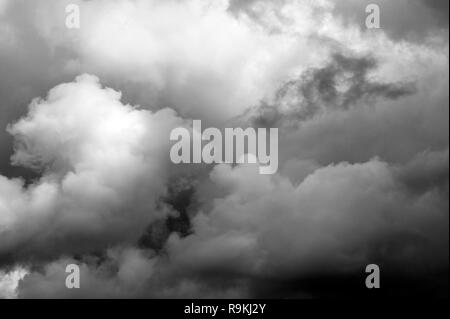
86	177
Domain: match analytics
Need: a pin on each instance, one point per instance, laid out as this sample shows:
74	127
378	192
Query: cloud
9	282
103	169
337	220
341	84
363	122
414	20
192	56
131	268
123	272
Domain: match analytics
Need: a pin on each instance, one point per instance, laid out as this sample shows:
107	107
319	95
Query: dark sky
86	178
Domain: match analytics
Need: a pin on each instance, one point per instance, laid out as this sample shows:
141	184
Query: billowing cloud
9	282
103	168
86	177
336	220
189	55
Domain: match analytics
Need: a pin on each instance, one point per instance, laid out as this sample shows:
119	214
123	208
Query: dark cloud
440	10
404	19
344	82
29	68
265	237
363	148
427	171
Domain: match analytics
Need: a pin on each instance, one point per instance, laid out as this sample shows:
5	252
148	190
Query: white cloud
104	166
9	282
193	56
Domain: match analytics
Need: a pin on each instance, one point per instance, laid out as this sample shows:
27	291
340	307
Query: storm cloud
86	177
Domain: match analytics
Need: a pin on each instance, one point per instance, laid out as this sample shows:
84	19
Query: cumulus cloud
103	168
189	55
86	178
9	282
122	272
337	220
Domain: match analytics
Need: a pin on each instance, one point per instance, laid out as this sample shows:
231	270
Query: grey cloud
29	68
263	232
426	171
404	19
440	9
342	83
363	172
